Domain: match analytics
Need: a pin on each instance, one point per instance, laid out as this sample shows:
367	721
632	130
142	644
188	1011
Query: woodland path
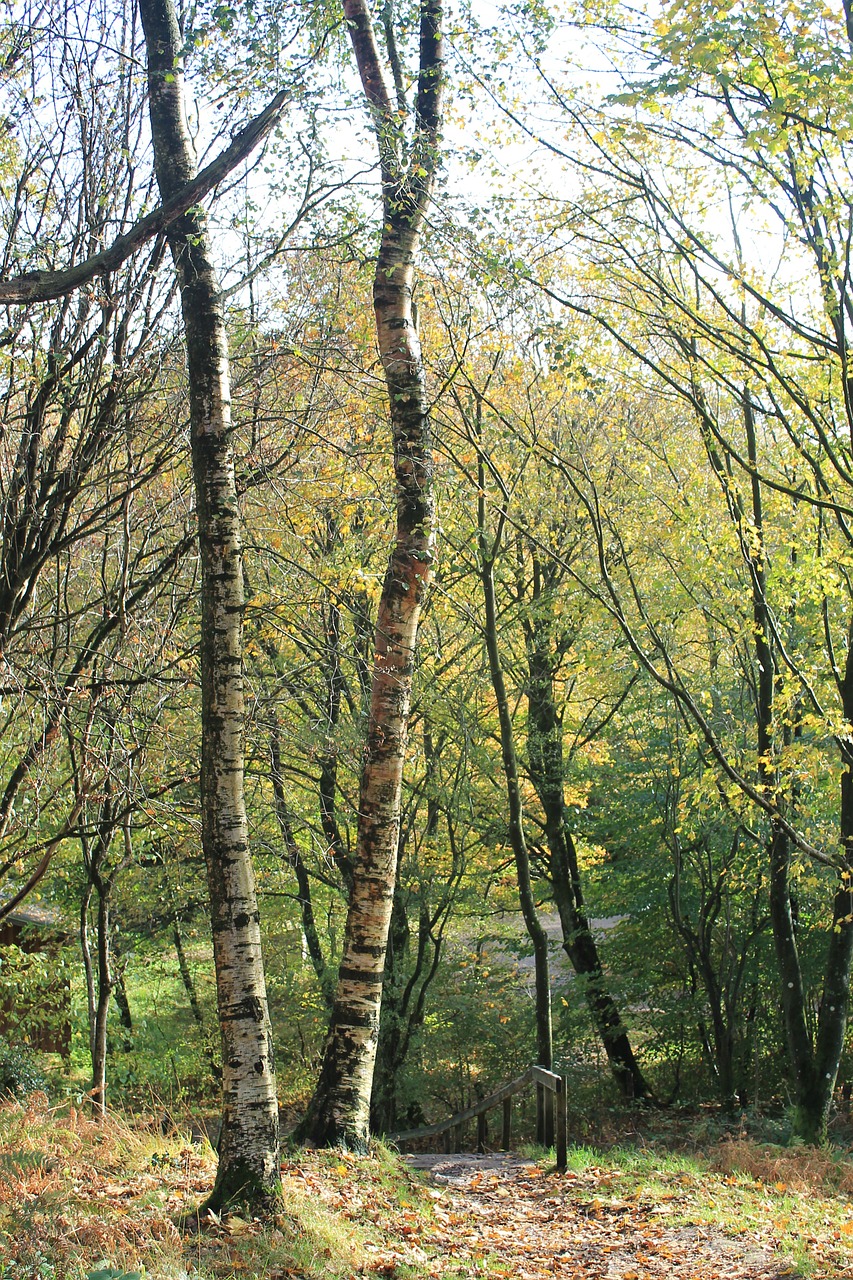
534	1224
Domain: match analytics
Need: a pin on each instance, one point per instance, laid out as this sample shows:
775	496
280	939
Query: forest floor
105	1202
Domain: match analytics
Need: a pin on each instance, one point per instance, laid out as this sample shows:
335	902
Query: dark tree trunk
545	755
809	1124
383	1111
488	550
122	1000
186	974
328	781
102	1008
303	882
99	975
340	1108
248	1148
518	842
404	995
835	999
814	1063
88	967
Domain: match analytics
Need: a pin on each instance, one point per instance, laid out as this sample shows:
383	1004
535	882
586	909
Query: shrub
20	1074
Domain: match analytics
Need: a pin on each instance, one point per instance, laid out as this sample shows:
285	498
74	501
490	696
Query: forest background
624	845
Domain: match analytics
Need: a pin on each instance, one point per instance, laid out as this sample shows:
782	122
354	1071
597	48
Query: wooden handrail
550	1097
548	1079
479	1108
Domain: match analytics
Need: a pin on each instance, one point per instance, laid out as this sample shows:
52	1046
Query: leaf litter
75	1195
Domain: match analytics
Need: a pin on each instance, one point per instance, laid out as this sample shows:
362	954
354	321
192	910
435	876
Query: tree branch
46	286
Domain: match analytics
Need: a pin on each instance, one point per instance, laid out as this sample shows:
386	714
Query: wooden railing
550	1116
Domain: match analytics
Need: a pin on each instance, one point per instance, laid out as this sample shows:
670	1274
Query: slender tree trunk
404	997
812	1100
303	882
328	780
793	999
814	1063
88	967
249	1144
102	1008
545	752
391	1029
122	1000
99	976
835	1001
186	974
537	935
750	530
210	1052
340	1108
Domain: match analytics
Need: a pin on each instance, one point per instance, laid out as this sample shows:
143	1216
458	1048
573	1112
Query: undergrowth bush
20	1073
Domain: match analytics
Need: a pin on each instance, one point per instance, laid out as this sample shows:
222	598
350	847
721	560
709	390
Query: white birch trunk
340	1109
249	1145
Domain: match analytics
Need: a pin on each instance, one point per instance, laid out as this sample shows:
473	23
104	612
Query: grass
76	1197
799	1199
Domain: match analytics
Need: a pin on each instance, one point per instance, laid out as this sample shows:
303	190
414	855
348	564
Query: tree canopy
426	538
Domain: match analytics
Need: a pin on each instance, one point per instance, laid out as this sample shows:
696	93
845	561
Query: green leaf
109	1273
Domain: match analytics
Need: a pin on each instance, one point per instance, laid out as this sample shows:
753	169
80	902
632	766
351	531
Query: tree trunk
793	999
186	974
383	1109
537	935
88	968
340	1108
810	1113
303	882
249	1147
102	1008
545	752
328	780
835	1001
122	1000
404	997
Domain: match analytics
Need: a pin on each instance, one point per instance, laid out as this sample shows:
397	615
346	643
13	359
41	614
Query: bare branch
46	286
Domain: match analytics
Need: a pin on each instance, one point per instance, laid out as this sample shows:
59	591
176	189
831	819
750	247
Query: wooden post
540	1114
457	1137
562	1157
506	1127
481	1133
448	1141
549	1118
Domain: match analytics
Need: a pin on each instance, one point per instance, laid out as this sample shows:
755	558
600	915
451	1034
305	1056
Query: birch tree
249	1144
408	158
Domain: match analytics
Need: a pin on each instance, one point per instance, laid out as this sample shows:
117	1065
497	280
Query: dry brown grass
799	1168
75	1194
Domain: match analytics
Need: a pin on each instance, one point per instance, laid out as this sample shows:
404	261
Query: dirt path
532	1224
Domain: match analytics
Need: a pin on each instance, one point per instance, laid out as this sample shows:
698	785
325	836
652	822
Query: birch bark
249	1143
340	1108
